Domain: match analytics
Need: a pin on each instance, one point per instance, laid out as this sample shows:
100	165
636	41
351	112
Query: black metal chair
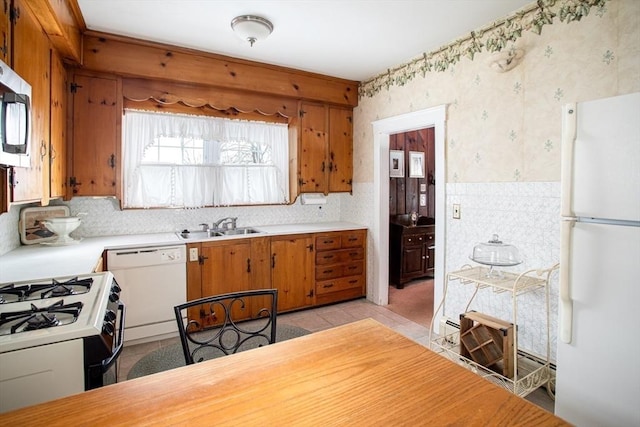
224	324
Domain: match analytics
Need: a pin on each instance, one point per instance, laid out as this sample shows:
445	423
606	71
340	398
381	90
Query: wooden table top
362	373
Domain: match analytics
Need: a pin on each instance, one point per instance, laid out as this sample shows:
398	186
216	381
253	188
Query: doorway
382	129
411	255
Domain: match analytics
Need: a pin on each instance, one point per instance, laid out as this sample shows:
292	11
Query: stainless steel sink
203	235
244	230
197	235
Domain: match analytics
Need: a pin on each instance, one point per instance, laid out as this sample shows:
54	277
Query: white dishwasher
153	281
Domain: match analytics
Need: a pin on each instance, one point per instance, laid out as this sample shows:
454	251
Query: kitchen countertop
32	262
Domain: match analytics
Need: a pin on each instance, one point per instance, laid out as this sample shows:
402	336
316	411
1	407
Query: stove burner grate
56	314
17	293
41	321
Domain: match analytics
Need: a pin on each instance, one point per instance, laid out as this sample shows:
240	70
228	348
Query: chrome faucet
225	223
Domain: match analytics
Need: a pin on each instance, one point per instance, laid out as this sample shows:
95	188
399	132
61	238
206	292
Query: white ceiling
351	39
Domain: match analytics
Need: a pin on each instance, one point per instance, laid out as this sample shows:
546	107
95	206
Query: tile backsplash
526	215
103	217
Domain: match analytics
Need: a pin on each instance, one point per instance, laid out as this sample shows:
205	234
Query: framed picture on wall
396	163
416	164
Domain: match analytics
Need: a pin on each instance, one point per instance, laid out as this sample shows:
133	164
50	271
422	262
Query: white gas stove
57	337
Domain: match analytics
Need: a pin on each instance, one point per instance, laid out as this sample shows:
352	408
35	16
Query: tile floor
327	317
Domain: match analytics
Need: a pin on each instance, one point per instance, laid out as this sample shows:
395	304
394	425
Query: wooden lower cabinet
340	271
307	269
222	267
411	253
292	265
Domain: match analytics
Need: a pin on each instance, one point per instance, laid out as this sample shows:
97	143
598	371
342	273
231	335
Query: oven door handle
106	363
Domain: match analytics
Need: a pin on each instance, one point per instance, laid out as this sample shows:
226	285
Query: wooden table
362	373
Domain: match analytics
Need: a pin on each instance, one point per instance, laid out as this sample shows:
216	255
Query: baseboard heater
451	331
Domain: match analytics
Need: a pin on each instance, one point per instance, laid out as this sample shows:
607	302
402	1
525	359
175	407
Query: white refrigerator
598	354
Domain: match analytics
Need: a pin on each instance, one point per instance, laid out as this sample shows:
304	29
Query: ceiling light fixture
251	28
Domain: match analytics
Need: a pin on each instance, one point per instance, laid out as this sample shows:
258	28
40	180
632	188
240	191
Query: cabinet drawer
333	271
329	286
414	239
353	240
325	243
336	257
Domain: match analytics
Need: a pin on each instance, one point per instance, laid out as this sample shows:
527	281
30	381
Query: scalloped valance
170	93
492	38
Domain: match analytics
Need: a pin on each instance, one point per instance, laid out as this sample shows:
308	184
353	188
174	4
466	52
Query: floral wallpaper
506	126
492	38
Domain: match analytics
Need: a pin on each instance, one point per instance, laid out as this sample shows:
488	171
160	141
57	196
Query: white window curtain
209	183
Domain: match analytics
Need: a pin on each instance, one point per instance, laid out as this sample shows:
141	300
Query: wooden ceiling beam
142	59
62	21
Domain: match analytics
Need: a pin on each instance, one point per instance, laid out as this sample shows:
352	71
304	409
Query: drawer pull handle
353	281
353	239
353	254
328	271
352	267
330	285
326	242
328	256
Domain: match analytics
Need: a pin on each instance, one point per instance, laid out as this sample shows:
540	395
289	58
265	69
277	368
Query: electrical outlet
456	211
423	200
193	254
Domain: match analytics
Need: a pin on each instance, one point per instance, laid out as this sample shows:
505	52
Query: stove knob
110	316
114	297
115	288
108	328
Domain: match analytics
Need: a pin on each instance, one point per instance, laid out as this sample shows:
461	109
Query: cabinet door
292	268
225	268
95	138
313	149
430	251
412	261
31	51
58	143
340	149
5	31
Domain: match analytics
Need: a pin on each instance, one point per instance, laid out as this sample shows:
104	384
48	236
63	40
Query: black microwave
15	118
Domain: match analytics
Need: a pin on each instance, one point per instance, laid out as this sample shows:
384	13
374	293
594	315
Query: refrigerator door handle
569	134
566	303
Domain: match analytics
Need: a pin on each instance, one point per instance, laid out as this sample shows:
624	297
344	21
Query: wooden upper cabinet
58	143
95	137
313	148
326	149
340	149
31	60
5	31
